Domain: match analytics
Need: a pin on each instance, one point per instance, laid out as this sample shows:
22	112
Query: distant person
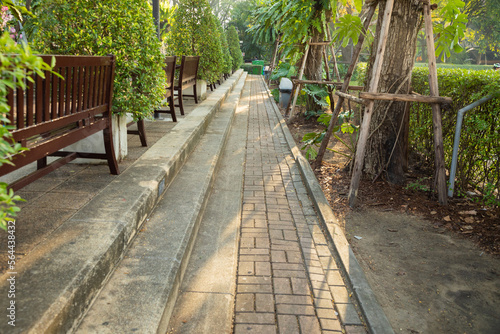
496	67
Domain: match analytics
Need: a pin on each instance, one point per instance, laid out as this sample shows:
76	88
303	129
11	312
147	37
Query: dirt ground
434	269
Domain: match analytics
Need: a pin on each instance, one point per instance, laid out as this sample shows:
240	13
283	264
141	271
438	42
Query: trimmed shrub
195	32
479	151
122	28
234	47
228	60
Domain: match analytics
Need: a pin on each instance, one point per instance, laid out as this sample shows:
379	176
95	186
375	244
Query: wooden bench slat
30	107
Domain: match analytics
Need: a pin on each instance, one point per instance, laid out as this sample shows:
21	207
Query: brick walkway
286	274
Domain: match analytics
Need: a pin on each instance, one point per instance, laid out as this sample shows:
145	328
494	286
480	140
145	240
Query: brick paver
288	281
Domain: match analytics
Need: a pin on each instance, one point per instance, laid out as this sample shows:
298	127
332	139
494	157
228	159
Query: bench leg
42	163
142	132
172	107
110	150
195	90
181	104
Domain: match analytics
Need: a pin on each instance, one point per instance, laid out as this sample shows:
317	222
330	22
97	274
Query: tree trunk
386	147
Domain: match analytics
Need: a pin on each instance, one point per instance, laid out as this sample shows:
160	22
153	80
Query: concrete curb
154	265
375	318
62	276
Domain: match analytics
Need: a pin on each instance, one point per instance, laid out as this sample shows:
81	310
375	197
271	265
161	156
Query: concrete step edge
155	263
62	275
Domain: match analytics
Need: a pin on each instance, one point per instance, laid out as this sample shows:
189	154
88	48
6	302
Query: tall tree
385	149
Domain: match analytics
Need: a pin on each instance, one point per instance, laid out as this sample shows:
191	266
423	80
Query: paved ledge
57	281
154	264
373	314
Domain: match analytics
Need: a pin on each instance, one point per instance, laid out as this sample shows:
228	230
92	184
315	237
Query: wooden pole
345	86
406	97
301	73
350	97
327	69
440	177
365	126
332	51
273	60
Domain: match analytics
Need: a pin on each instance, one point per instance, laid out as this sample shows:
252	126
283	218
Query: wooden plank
326	82
332	51
320	43
350	97
30	115
19	108
365	126
301	73
436	110
406	97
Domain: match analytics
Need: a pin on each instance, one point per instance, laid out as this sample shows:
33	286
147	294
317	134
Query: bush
228	60
123	28
479	152
195	32
16	63
234	47
252	69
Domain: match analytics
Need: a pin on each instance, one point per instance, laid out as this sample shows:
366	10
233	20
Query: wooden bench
52	113
169	92
187	78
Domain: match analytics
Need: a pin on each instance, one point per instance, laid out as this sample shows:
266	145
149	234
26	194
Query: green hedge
458	66
479	152
252	69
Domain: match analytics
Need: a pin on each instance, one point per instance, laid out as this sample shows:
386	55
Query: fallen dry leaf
470	212
469	220
447	218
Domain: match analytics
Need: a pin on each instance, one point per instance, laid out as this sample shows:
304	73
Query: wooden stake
332	51
365	126
440	177
406	97
275	53
350	97
301	73
345	87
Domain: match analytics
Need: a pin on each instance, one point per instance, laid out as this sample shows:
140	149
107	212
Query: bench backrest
52	113
188	70
170	73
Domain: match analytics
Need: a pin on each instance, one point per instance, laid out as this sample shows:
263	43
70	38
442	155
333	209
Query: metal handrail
458	129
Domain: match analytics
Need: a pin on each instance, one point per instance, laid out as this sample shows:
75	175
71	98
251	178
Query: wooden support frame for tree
434	99
365	126
345	86
440	177
301	73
